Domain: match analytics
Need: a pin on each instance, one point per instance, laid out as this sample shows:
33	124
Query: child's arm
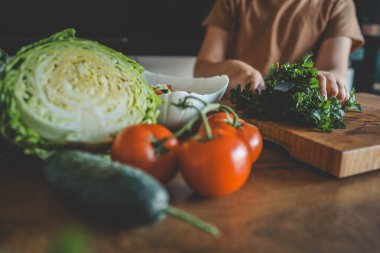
211	60
332	61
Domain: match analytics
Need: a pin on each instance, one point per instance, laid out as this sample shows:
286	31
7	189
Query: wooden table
286	206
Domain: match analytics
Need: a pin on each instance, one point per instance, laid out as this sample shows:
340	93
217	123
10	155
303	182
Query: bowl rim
194	79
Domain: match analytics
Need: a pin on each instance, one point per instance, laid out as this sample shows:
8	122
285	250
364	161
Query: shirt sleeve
343	22
221	15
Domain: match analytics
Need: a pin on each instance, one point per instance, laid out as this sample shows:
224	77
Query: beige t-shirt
269	31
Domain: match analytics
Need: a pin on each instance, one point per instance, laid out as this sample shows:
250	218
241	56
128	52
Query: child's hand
242	73
333	85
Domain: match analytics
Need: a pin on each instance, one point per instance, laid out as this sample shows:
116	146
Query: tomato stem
159	145
201	114
207	126
193	220
228	109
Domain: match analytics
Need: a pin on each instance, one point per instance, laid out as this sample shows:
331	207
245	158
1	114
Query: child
244	37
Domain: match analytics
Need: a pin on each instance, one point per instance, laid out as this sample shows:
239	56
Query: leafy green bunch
293	95
3	57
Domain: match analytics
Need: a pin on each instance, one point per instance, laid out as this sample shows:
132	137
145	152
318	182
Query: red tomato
245	131
215	167
139	146
252	138
219	120
221	116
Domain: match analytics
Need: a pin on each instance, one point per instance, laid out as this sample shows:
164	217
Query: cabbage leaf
66	91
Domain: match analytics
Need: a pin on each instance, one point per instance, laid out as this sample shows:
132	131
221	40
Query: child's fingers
322	84
347	93
342	93
332	87
256	81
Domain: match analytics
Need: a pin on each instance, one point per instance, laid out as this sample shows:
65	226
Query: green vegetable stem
202	114
193	220
3	57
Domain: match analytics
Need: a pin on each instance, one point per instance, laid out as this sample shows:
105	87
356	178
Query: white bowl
208	89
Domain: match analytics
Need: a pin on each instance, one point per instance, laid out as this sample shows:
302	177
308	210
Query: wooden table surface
286	206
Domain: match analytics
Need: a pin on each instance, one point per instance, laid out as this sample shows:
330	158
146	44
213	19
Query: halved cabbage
65	91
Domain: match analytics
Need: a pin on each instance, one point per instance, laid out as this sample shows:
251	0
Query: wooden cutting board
344	152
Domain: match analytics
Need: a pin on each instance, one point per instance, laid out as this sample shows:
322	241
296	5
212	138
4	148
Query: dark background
155	27
167	27
366	62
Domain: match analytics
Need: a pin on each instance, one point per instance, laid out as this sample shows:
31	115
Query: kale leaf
301	103
3	57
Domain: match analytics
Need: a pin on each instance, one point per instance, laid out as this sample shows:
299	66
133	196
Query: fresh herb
3	60
70	240
3	57
300	102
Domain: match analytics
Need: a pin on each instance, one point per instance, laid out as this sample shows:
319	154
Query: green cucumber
109	191
113	193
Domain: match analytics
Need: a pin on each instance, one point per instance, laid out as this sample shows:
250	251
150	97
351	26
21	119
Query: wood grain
344	152
286	206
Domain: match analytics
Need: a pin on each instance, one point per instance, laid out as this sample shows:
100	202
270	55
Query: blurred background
163	35
366	61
